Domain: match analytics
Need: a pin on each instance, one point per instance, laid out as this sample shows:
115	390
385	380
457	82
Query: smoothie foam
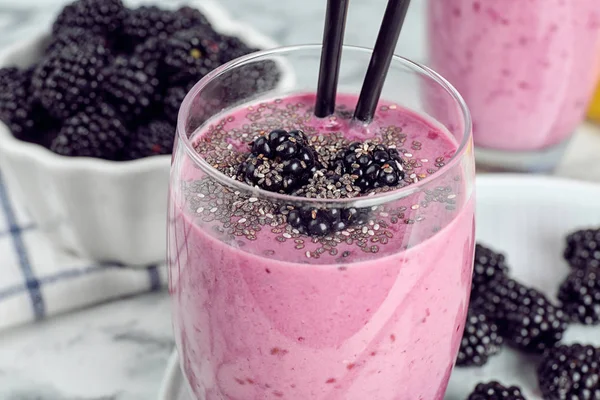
266	319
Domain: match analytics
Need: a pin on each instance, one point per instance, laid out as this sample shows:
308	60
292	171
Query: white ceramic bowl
103	210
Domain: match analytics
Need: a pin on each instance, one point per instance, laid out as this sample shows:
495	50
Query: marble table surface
119	351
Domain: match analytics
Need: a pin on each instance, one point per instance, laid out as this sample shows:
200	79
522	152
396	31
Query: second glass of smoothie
527	70
320	258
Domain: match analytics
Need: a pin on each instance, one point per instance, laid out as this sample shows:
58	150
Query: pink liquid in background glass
383	326
527	69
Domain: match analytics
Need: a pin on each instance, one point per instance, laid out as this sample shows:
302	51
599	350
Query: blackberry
525	317
147	22
281	162
172	101
480	340
96	131
231	47
155	138
102	17
570	372
191	54
495	391
321	222
487	267
70	80
16	101
152	51
580	295
75	37
371	166
132	86
248	80
188	17
583	248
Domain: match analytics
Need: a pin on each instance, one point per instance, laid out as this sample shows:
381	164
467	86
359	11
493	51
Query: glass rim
359	201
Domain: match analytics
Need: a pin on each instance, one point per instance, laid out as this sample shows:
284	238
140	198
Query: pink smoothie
526	69
277	318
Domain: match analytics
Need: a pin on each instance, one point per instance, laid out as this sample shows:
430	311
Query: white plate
527	217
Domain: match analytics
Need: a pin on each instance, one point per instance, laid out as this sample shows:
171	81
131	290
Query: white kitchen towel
38	281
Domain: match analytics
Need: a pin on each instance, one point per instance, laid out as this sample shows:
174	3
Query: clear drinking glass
375	310
527	70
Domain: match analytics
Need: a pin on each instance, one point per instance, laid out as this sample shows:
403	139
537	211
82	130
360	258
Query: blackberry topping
321	222
371	166
191	54
153	139
525	317
281	162
570	372
69	80
94	132
580	295
583	248
495	391
488	266
98	16
76	37
147	22
132	86
480	340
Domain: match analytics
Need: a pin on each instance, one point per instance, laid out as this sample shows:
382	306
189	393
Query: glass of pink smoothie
527	70
320	258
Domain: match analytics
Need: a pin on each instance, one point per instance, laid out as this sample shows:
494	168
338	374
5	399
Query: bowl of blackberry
533	326
88	114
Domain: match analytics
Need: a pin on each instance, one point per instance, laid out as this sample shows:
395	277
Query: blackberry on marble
580	295
495	391
71	79
132	86
569	372
480	340
583	248
102	17
488	266
191	54
525	317
96	132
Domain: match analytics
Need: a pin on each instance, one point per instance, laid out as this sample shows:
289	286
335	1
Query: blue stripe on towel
32	284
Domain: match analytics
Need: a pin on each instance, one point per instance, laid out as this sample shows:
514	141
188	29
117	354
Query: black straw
333	38
381	59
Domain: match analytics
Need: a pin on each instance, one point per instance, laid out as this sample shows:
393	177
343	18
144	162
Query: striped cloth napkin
38	281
